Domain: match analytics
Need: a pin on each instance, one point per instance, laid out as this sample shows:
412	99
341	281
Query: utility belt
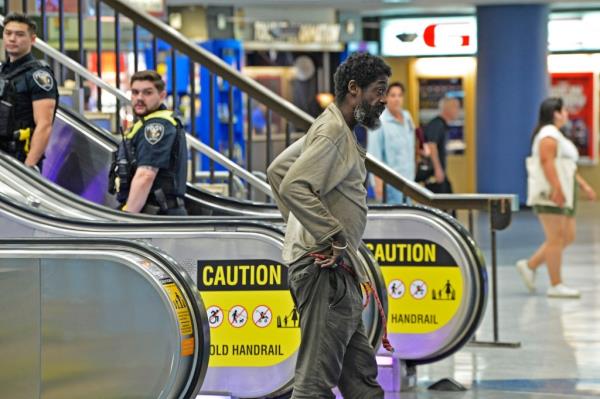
159	203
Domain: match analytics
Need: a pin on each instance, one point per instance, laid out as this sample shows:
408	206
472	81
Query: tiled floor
560	338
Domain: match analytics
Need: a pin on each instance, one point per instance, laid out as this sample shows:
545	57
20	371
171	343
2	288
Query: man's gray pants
334	348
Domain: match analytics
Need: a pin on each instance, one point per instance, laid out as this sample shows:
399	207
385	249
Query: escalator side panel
19	328
249	381
74	162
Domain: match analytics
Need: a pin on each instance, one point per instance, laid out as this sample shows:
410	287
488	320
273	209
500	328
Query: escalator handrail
229	164
179	225
159	258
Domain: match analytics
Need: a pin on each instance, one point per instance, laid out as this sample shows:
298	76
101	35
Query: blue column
512	81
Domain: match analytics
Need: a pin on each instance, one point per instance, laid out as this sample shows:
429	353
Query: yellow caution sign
424	284
252	316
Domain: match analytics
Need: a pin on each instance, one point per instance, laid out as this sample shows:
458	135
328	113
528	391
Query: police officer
151	165
28	94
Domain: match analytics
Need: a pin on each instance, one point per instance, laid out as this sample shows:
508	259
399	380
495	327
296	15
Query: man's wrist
339	241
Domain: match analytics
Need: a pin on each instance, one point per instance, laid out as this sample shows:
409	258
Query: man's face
17	39
145	98
395	98
371	103
453	109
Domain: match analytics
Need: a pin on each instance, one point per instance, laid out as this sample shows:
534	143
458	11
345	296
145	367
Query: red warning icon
262	316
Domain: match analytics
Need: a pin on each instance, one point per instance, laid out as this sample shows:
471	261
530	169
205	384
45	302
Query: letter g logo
436	34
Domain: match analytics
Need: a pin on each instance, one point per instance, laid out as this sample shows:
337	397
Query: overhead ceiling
385	7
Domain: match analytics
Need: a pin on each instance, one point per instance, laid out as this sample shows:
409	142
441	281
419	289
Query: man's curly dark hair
363	68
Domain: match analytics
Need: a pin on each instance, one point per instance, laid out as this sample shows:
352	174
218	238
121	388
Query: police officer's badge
43	79
154	132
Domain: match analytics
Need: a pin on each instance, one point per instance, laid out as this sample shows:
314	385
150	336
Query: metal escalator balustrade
441	323
100	318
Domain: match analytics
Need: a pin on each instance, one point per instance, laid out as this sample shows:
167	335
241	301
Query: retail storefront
436	56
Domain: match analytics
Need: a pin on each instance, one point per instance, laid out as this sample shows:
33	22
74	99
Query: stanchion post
499	219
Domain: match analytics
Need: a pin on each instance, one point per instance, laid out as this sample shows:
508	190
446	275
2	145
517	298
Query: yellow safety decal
187	346
251	313
424	284
183	313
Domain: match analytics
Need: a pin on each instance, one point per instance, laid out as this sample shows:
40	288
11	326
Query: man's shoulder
155	130
328	125
436	122
41	74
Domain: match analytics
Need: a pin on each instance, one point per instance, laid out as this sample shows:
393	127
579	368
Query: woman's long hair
546	117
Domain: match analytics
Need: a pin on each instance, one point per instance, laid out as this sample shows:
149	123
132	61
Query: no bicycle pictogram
262	316
215	316
238	316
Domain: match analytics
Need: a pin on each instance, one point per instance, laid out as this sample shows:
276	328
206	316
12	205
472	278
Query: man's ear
353	88
163	95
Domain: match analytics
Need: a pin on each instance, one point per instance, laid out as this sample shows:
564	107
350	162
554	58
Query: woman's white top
565	147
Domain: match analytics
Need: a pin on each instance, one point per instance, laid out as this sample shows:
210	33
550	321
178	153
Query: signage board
429	36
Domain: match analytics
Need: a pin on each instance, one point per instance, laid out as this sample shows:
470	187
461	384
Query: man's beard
368	115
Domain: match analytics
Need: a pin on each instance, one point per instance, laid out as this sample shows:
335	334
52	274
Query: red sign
577	92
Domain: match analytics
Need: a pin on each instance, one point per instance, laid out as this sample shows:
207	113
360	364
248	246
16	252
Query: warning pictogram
215	316
396	289
291	320
262	316
238	316
448	293
418	289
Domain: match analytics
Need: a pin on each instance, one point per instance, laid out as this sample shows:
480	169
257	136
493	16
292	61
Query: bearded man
319	186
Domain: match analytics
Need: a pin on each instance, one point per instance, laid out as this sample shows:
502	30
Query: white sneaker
527	274
562	291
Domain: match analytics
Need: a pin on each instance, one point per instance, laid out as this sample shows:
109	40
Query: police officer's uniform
21	83
156	140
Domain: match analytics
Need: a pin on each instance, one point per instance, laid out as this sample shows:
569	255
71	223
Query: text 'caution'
409	253
245	275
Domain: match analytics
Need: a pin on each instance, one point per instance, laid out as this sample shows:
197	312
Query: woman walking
558	222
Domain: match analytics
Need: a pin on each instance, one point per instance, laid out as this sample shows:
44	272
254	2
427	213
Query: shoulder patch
43	79
154	132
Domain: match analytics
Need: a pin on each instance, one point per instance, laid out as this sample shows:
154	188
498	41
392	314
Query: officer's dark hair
546	116
395	84
22	19
151	76
361	67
